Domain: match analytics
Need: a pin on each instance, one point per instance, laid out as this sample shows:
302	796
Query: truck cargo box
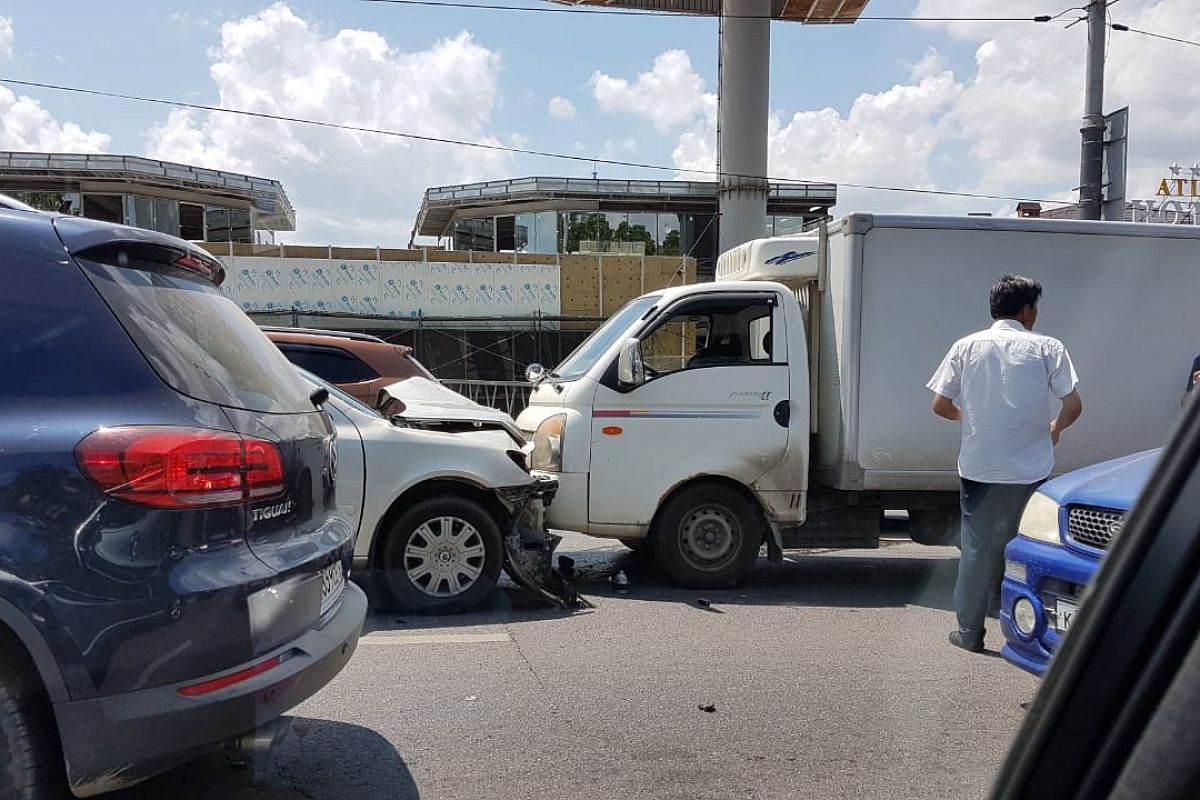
899	290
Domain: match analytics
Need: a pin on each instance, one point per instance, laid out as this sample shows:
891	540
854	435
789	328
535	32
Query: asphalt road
828	677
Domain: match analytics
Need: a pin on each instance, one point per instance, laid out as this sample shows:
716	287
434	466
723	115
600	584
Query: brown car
356	363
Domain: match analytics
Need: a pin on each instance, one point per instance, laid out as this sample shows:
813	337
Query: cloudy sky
980	107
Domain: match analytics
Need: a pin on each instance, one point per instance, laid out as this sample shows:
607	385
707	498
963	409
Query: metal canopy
804	11
443	205
86	172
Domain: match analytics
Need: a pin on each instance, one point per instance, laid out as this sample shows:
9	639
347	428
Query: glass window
58	202
761	344
674	344
699	239
669	243
196	339
104	207
789	226
334	391
710	333
506	234
640	229
228	224
329	363
584	357
139	211
166	216
474	234
191	222
537	232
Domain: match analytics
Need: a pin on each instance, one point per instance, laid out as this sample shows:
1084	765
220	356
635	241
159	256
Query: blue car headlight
1040	520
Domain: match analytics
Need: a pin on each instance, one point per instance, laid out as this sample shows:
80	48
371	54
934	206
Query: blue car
172	568
1064	533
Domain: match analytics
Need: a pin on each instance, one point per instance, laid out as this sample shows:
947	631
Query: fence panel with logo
400	289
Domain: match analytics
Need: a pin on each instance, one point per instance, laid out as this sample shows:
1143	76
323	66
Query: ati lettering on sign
1178	187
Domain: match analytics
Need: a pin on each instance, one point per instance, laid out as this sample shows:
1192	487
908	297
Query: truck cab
686	414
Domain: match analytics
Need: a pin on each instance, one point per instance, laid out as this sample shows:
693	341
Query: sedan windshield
584	357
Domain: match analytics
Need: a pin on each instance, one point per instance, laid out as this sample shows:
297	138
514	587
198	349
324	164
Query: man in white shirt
998	383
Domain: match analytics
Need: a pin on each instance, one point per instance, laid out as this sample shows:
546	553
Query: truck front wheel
708	536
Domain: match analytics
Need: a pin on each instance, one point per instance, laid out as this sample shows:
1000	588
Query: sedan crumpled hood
1109	484
429	401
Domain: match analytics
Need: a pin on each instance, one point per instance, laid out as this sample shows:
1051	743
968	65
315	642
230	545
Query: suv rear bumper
116	741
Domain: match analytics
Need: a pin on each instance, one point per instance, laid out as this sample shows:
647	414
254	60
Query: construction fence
408	284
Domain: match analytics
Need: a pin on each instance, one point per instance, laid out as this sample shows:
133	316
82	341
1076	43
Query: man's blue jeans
990	515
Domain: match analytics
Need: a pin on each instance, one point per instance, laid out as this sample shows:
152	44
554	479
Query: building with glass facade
582	215
190	202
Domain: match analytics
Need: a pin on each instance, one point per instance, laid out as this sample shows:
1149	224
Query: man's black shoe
958	640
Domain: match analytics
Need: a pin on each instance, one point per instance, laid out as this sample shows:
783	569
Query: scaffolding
484	358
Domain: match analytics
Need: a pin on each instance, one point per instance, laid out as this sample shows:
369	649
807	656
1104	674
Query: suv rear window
197	340
330	363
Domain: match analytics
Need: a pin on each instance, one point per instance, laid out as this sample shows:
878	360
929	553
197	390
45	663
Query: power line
628	12
490	146
1116	26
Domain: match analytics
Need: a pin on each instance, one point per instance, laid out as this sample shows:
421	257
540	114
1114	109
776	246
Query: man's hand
1072	407
944	407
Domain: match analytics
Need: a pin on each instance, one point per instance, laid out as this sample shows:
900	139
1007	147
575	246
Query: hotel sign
1177	201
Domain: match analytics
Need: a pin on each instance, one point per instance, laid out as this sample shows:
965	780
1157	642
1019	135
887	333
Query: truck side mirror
630	370
535	373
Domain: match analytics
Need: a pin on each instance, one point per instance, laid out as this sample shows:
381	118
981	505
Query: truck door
716	370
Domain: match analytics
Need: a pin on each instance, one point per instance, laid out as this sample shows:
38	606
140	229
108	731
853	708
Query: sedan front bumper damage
529	546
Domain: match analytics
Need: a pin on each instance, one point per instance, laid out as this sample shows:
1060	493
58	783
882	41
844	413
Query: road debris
620	582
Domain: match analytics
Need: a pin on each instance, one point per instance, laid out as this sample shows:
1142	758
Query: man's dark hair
1012	293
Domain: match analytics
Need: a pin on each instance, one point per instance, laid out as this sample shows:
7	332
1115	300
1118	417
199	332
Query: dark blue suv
171	572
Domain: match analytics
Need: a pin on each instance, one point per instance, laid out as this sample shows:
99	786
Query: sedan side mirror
630	369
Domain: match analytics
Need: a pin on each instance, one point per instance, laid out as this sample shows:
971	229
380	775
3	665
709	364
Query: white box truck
785	402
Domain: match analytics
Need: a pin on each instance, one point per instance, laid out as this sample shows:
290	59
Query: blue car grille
1093	526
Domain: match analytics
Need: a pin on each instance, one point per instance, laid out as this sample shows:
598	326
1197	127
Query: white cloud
1021	110
6	39
561	108
1008	125
347	186
25	124
671	95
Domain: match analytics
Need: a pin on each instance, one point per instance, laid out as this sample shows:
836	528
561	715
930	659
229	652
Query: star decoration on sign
1174	167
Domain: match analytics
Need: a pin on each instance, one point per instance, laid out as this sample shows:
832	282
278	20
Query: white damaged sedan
440	511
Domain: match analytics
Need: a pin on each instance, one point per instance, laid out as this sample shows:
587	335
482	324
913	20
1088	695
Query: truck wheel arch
431	488
718	480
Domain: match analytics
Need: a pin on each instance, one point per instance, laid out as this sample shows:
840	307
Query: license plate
333	583
1064	615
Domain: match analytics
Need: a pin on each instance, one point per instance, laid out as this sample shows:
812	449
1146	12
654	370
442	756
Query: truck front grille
1093	526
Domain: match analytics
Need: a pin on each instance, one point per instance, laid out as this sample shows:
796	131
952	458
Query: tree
671	244
591	228
635	233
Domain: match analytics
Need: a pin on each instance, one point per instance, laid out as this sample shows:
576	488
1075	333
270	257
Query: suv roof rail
358	337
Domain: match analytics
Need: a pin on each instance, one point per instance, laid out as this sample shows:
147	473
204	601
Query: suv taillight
168	467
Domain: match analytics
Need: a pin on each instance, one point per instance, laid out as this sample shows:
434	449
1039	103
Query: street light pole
1091	158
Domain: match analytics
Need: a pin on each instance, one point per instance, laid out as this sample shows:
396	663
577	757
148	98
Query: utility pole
1091	157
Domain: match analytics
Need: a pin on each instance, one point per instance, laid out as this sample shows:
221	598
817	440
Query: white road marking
434	638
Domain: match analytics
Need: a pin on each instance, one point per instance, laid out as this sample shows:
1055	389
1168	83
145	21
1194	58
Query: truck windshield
583	358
